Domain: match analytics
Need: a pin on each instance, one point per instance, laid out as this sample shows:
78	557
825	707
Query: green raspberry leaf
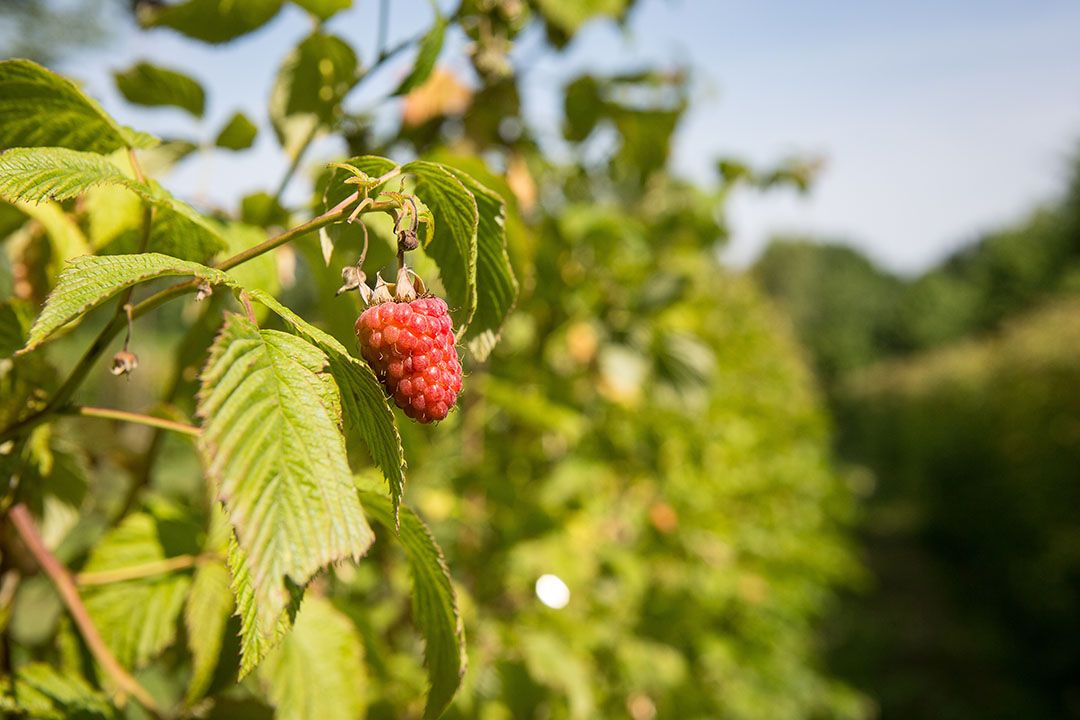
496	286
453	247
317	673
90	280
213	21
272	444
138	617
434	603
39	108
47	693
34	175
238	134
152	85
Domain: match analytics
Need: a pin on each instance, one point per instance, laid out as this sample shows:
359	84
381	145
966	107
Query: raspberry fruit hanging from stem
408	339
410	345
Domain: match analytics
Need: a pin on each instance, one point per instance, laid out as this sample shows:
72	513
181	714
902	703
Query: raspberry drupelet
410	346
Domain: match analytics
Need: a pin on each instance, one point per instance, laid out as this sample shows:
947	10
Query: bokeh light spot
552	591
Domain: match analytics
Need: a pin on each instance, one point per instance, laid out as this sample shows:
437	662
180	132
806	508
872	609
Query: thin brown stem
134	572
138	418
69	594
147	226
135	167
330	216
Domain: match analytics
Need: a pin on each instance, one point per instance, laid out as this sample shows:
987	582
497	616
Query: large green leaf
272	445
182	231
114	217
237	134
90	280
324	9
44	692
496	286
152	85
310	86
138	618
35	174
434	603
40	108
362	398
213	21
317	673
454	244
430	47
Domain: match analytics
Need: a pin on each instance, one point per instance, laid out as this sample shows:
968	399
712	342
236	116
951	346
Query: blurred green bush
645	430
646	433
974	531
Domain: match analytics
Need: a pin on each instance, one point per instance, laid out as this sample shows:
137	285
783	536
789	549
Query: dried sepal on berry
353	278
203	291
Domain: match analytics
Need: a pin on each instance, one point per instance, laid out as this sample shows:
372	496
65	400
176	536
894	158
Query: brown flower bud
124	362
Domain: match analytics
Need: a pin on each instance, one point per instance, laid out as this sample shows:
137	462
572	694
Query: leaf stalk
137	418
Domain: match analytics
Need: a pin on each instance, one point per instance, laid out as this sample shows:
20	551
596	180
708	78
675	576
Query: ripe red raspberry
410	345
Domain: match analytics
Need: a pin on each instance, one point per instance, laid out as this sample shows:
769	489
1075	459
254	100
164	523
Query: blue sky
936	120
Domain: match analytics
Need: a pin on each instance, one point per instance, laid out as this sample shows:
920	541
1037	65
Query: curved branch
69	594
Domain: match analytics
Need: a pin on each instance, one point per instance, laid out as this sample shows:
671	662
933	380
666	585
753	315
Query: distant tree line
959	391
850	313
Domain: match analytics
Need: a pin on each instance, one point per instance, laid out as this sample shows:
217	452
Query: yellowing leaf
441	94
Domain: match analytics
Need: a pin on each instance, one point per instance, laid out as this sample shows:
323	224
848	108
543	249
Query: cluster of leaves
666	459
643	428
273	407
644	432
